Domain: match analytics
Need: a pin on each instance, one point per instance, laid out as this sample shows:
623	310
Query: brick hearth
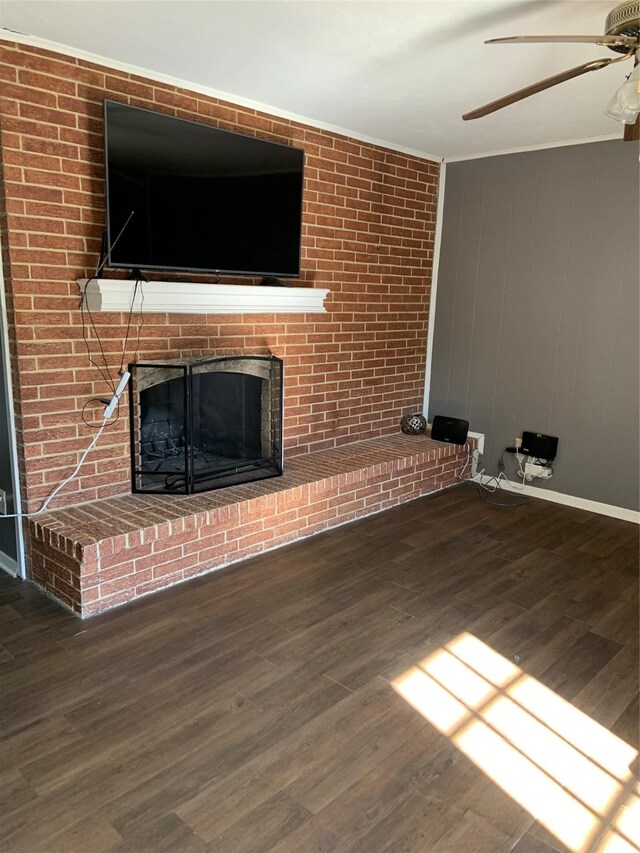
101	554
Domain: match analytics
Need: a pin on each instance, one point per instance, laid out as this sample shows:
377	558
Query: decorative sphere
413	424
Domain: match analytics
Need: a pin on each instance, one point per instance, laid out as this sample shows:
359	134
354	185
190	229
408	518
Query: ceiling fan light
619	112
629	93
624	106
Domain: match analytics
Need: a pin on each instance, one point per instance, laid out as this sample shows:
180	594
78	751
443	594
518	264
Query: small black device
452	430
539	446
273	281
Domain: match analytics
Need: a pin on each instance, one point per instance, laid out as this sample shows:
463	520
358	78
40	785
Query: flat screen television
185	196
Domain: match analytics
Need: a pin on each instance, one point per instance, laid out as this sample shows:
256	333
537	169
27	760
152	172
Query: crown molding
608	137
12	36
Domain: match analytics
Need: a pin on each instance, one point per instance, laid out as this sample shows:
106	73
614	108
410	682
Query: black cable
84	305
481	489
102	403
126	337
510	505
102	260
104	257
140	322
545	463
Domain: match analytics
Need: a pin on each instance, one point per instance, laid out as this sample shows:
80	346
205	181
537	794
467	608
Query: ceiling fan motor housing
623	20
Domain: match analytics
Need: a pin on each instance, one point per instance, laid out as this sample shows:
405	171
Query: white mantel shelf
188	297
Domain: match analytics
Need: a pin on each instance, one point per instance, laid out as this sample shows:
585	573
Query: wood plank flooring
253	710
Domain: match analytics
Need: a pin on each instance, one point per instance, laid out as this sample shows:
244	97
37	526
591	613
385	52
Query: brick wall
368	227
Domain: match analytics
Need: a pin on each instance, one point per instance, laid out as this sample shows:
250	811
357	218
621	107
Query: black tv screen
185	196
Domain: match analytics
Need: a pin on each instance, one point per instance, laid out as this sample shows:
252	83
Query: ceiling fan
622	35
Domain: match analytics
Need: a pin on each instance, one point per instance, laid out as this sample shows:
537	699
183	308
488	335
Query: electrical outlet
3	502
517	442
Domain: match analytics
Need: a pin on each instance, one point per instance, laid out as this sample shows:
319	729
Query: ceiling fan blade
632	131
609	41
507	100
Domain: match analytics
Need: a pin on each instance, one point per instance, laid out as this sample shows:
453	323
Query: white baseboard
569	500
8	564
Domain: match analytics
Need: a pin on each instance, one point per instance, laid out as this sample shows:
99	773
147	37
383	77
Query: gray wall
536	322
7	526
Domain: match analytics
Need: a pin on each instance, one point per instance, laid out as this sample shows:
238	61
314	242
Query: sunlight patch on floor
570	773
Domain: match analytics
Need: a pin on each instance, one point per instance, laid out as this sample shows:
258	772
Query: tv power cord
111	403
476	482
109	410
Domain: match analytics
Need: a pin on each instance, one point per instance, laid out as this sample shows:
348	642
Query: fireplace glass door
202	425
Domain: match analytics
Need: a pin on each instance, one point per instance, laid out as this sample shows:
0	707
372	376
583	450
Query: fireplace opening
206	424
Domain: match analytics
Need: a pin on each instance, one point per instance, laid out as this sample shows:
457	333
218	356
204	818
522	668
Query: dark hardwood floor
303	701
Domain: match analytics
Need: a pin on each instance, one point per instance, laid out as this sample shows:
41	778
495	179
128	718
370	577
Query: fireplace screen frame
188	480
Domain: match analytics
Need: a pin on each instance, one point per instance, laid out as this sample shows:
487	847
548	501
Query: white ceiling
398	71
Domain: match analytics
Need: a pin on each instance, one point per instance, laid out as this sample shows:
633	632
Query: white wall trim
479	436
563	143
189	297
67	50
19	568
434	287
13	36
568	500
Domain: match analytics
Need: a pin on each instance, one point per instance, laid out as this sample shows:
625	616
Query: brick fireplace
205	424
368	233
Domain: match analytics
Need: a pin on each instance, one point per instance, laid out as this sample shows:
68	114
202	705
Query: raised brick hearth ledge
104	553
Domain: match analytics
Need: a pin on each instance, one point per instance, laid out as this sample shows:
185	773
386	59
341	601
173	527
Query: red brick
367	235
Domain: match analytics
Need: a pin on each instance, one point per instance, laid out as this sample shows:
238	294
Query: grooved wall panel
368	226
536	324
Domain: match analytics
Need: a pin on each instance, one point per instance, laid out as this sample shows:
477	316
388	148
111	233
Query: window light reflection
434	702
570	773
573	770
613	843
483	659
458	679
628	819
594	740
544	799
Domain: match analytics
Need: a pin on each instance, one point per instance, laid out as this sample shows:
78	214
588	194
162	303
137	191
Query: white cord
476	479
464	464
520	472
494	483
113	404
48	500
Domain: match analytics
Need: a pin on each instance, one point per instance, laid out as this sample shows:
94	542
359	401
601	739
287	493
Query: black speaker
453	430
